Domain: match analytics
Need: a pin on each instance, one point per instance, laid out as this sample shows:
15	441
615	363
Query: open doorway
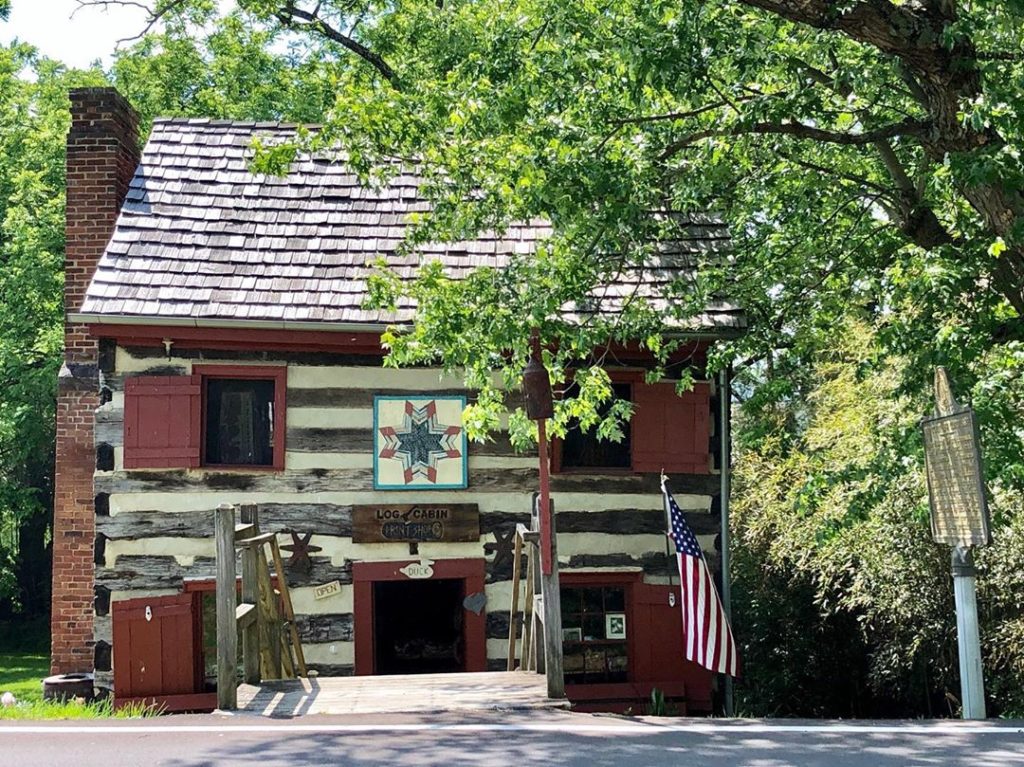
418	626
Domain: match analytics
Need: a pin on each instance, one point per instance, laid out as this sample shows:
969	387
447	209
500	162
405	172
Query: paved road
507	740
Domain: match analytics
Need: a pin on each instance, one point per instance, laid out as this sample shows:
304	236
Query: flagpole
668	526
724	403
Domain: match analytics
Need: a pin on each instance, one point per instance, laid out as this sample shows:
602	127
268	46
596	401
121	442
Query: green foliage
658	707
33	122
233	69
593	115
836	574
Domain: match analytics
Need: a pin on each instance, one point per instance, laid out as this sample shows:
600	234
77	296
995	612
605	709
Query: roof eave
89	318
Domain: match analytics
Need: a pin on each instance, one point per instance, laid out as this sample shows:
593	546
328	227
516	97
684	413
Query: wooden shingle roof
202	240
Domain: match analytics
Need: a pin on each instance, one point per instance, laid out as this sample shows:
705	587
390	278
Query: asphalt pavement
509	740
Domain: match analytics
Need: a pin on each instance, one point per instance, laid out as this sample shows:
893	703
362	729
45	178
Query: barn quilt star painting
419	443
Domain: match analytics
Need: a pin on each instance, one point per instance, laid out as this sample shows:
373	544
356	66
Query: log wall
155	527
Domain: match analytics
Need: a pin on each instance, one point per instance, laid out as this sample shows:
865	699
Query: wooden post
528	634
517	553
270	628
227	636
552	612
250	595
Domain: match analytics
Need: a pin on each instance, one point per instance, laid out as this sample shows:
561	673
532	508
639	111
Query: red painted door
157	643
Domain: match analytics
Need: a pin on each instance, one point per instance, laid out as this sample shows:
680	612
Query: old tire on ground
68	686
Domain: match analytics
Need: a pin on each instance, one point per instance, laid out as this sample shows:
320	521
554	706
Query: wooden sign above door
415	522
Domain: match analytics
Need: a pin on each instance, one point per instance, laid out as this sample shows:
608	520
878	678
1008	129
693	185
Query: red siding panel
671	431
162	422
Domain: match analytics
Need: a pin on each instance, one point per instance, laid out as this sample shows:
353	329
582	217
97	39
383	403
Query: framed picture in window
419	442
615	626
572	635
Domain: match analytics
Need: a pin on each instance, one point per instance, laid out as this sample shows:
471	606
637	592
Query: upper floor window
668	431
239	422
221	416
581	448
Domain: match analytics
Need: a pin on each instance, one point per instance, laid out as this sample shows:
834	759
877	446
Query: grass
99	709
25	661
24	658
22	674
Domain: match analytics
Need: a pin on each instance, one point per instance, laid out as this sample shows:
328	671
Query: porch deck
399	694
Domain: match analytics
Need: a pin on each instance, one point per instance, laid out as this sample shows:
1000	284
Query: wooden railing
264	616
540	608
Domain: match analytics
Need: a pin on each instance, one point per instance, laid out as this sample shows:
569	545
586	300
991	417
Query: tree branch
311	20
915	217
155	13
670	115
999	56
877	22
860	180
908	127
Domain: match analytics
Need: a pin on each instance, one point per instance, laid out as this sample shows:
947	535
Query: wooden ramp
399	694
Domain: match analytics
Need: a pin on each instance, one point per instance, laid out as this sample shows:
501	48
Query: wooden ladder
541	649
270	639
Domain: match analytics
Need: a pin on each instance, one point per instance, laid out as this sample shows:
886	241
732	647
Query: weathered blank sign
956	488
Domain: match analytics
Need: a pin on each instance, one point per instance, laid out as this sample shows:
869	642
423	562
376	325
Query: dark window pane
239	422
593	627
570	598
594	662
582	449
591	600
618	662
614	600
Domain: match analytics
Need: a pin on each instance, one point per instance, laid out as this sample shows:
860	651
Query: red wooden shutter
671	431
158	646
162	422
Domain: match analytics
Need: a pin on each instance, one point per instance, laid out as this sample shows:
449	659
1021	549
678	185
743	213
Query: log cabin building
218	351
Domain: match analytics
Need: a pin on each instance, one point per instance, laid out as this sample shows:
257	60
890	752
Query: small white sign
615	626
327	590
418	570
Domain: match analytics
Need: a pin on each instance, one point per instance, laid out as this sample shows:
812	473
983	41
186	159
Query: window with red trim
581	449
668	431
594	634
222	416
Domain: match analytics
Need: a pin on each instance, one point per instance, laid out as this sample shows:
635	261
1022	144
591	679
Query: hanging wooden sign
956	480
956	484
415	522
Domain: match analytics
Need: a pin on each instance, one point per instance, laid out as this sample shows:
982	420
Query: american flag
706	631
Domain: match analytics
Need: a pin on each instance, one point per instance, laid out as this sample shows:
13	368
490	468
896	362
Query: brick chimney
102	154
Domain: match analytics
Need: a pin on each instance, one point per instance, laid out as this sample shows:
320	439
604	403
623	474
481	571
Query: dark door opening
417	627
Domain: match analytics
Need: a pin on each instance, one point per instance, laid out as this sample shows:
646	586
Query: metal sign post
959	516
